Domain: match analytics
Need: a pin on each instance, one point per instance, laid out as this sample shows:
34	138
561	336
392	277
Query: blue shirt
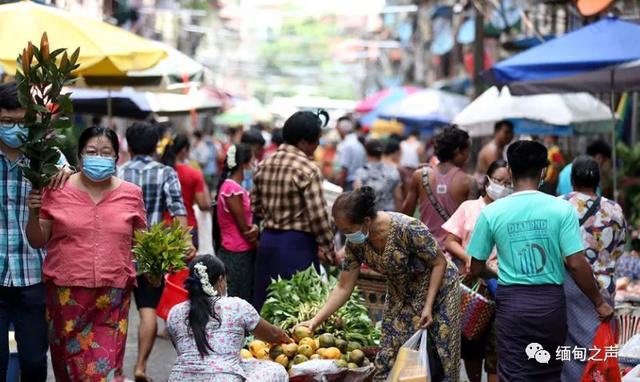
160	187
533	232
351	155
564	182
20	264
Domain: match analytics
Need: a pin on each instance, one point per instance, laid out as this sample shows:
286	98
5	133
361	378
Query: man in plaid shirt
22	292
162	193
287	196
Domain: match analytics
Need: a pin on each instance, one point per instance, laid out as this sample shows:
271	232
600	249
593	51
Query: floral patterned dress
604	237
223	364
405	262
87	332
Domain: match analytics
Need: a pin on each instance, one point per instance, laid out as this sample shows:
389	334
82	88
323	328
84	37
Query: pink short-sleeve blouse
463	221
232	239
90	244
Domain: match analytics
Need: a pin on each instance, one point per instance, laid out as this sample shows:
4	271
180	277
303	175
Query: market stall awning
427	108
176	71
604	43
129	103
544	114
104	49
372	105
617	78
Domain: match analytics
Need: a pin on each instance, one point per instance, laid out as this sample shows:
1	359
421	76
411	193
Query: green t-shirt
532	233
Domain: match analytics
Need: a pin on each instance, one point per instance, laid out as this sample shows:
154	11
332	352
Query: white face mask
497	191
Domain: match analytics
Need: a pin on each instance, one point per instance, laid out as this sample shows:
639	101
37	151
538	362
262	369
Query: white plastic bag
631	349
315	368
205	240
411	364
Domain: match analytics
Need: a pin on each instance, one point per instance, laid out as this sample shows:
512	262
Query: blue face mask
357	237
10	134
247	181
98	168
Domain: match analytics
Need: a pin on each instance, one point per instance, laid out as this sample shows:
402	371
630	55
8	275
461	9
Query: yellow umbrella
105	50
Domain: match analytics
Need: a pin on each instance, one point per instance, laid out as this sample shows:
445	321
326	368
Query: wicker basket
373	289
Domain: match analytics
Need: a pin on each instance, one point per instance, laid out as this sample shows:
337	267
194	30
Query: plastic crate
628	320
373	288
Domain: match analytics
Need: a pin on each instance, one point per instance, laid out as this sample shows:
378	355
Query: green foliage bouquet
40	85
160	250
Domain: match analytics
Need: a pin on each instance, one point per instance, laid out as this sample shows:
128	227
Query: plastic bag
602	368
315	367
205	225
411	363
631	349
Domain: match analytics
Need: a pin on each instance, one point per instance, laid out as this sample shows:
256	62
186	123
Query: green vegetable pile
160	250
290	302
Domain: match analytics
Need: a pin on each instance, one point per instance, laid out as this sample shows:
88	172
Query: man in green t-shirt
536	237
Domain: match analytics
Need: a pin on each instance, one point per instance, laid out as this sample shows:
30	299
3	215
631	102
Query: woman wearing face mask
422	285
88	228
460	227
210	328
235	231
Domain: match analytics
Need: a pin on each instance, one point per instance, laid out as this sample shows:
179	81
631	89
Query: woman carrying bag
422	285
603	230
460	227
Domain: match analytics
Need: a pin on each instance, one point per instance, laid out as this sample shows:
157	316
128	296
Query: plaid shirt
287	195
20	265
160	187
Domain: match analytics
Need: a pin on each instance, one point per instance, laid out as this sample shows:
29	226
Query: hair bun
367	195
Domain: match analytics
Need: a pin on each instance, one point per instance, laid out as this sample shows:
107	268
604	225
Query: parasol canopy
105	50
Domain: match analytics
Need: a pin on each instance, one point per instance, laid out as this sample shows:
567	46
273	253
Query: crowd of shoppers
410	211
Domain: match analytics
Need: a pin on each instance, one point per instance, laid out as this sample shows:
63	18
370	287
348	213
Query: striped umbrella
370	106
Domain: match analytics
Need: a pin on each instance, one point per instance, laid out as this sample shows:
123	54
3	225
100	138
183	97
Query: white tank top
409	154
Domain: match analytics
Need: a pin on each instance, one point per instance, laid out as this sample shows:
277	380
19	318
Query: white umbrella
582	111
176	69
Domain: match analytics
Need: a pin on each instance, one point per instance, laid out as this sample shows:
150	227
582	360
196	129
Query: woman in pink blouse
238	234
87	228
459	229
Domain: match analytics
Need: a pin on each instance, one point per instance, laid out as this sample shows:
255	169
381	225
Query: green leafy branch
161	249
40	85
290	302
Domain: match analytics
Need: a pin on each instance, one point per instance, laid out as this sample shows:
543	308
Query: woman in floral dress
604	232
87	228
422	285
209	330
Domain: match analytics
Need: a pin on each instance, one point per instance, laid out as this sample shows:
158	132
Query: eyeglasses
107	154
502	182
9	123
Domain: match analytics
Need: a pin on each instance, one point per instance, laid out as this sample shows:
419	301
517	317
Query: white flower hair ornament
231	157
201	272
